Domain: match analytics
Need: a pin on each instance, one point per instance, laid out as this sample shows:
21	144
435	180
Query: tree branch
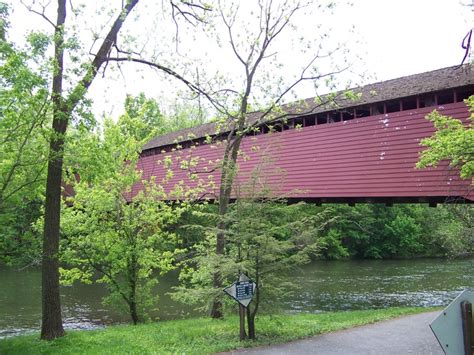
42	13
193	87
100	58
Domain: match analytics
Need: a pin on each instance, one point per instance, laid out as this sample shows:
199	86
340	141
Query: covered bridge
357	151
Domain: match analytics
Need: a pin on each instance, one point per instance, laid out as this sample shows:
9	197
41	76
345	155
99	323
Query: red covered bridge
362	151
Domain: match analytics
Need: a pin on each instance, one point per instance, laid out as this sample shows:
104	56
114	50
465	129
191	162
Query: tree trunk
133	311
216	311
225	191
132	279
51	325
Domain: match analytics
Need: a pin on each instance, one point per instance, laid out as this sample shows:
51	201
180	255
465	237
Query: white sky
394	38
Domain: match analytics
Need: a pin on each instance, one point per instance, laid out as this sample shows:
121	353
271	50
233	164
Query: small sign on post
242	290
453	327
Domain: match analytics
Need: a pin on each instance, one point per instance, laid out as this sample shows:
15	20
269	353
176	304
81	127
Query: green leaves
264	239
123	237
24	115
453	141
4	23
39	43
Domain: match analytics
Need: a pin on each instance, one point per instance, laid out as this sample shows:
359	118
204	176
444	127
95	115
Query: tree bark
225	191
133	312
51	325
133	278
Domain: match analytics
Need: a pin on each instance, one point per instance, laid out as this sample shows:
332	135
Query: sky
392	39
406	37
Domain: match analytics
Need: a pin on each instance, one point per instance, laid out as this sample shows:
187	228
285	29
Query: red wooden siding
361	159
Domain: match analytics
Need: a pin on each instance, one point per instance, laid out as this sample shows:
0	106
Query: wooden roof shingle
436	80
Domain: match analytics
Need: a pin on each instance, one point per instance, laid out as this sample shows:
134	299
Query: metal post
467	327
243	335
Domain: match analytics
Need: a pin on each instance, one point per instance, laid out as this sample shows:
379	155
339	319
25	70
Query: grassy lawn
196	336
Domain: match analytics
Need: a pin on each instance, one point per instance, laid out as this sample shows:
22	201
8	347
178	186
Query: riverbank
199	335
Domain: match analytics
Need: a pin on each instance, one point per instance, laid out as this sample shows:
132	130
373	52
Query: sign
447	326
242	290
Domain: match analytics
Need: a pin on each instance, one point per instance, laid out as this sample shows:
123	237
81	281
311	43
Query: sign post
454	328
242	291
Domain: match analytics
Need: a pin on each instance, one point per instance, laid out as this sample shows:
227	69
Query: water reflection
324	286
346	285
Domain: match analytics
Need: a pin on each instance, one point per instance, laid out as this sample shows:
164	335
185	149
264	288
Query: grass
196	336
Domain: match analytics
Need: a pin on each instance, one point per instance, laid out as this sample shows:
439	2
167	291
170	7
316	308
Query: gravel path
405	335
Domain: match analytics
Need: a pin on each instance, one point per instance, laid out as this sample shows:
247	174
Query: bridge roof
441	79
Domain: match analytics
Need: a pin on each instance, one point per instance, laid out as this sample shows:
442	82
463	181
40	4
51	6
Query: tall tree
64	104
250	34
63	107
254	53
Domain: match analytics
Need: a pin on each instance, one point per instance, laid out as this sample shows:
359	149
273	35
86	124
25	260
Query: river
323	286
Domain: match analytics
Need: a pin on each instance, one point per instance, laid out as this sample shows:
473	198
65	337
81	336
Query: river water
323	286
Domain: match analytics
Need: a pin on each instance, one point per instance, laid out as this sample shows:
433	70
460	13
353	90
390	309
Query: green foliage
24	114
142	117
20	241
453	141
126	243
406	233
124	238
450	229
376	231
331	247
264	239
4	23
200	335
183	116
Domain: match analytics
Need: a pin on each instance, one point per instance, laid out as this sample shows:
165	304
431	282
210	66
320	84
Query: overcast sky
412	36
394	38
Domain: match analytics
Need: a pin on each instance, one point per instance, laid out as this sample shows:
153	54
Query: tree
259	93
453	141
252	51
187	115
124	239
265	239
265	245
151	122
63	105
